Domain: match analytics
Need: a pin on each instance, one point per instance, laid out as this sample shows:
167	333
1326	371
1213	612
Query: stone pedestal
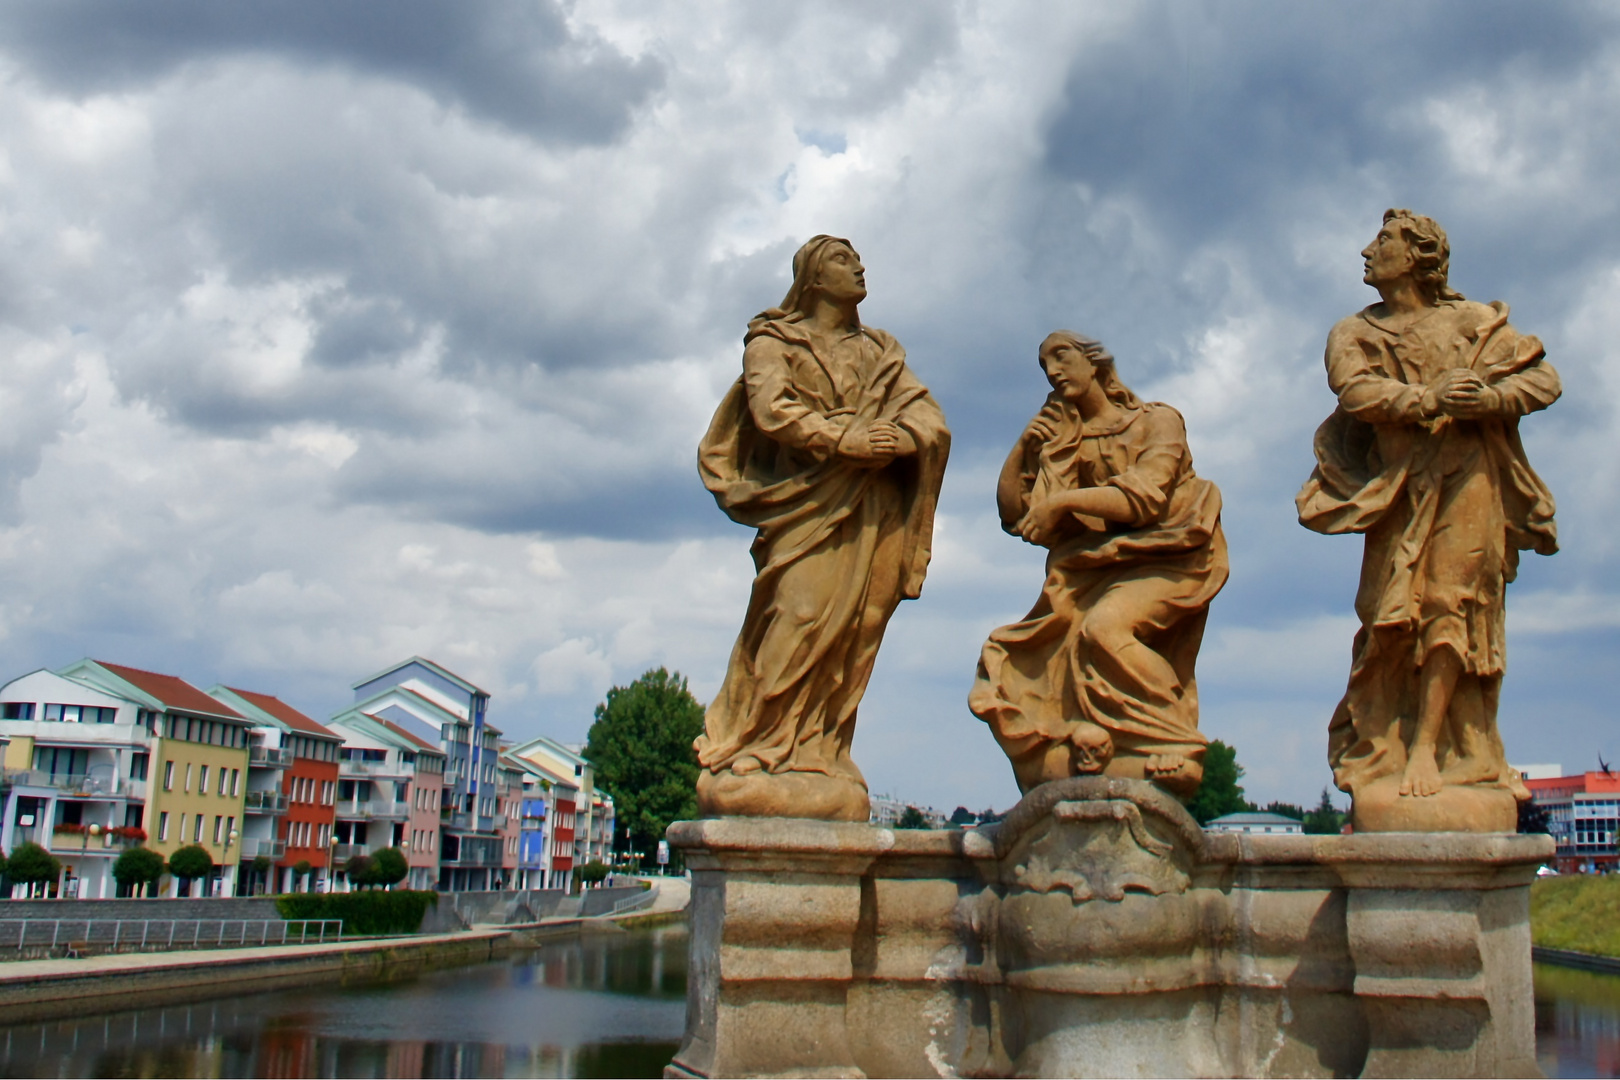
1098	931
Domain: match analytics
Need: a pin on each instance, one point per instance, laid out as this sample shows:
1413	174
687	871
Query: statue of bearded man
831	448
1423	456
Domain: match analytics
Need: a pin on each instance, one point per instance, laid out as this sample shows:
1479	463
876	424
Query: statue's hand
1044	427
871	444
1041	522
1464	394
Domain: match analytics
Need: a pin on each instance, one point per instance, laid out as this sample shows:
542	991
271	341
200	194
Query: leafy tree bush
358	870
1285	809
389	867
399	911
1533	818
136	868
1220	793
962	816
911	818
191	862
1324	820
31	864
641	748
591	873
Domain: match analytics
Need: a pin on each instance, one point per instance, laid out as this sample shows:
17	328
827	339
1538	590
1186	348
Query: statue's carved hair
1430	250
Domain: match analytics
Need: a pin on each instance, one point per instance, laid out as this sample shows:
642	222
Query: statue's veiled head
828	266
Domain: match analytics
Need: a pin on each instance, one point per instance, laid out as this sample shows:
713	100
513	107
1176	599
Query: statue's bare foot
1168	767
1422	776
745	765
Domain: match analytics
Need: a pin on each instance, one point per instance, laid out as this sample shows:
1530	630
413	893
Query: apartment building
1583	814
548	803
391	787
291	801
76	760
593	812
437	705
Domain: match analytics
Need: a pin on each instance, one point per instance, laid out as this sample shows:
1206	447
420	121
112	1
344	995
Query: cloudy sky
331	334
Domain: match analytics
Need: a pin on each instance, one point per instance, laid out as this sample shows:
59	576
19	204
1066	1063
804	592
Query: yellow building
198	766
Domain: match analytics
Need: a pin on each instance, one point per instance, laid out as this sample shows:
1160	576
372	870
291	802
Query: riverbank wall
48	989
1608	965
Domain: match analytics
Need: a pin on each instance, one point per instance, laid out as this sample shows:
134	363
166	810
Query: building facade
1583	814
391	787
593	813
291	801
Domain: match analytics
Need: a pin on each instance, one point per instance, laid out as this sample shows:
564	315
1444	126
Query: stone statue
834	451
1098	677
1423	456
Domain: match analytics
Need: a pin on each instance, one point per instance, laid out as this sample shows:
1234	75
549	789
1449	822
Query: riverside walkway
47	989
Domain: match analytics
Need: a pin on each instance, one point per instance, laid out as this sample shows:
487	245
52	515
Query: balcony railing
340	852
67	783
269	757
456	820
500	821
372	808
369	768
253	847
266	802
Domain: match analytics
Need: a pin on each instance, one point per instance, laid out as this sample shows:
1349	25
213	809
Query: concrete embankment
1608	965
45	989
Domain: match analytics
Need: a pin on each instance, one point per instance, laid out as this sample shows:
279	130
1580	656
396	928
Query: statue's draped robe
1446	505
1153	576
839	544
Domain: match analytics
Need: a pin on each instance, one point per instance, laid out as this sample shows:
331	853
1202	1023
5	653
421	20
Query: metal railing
369	768
631	903
270	802
143	934
269	756
68	783
373	808
253	847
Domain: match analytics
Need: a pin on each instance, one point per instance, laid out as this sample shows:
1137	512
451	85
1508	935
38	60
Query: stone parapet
1098	931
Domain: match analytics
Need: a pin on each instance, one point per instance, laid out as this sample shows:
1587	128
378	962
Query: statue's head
1073	361
1092	748
1412	244
826	266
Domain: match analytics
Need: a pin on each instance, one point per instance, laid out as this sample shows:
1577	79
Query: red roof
286	714
397	730
1591	783
172	691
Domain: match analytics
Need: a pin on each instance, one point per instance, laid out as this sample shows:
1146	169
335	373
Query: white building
1257	822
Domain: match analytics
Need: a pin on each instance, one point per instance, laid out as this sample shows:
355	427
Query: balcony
269	757
456	820
265	802
370	768
66	783
499	821
372	808
343	852
270	849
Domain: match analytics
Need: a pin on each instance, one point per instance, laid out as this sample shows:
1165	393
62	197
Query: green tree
1324	820
911	818
961	816
641	748
1533	817
138	867
389	867
1220	793
261	869
31	864
360	869
302	869
1285	809
591	873
191	862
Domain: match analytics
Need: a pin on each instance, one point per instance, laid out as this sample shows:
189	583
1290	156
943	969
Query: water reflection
1577	1022
609	1005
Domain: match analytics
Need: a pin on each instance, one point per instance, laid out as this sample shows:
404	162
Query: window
219	826
196	830
163	825
188	776
326	835
236	778
202	780
137	765
222	784
230	825
168	776
17	710
328	791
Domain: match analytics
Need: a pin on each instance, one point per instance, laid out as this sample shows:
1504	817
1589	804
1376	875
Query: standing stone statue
1098	677
1423	456
831	448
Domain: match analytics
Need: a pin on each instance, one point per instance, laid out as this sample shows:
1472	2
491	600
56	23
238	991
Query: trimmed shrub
137	867
191	862
388	867
31	864
591	873
397	912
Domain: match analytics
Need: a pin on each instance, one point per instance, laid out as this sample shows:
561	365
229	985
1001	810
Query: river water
608	1005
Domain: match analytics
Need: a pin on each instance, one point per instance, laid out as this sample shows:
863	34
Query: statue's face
1389	257
1068	369
1093	749
841	277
